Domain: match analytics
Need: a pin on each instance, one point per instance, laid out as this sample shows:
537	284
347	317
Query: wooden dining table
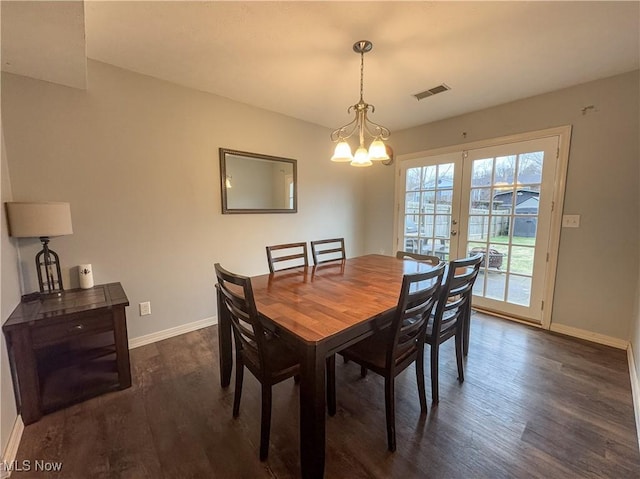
319	311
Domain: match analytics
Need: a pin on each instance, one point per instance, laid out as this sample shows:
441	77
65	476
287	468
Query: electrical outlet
570	221
145	308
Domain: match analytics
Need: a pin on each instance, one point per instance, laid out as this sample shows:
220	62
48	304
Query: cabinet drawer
65	330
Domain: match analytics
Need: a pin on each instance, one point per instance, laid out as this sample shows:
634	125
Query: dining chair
425	258
391	350
268	358
331	249
450	315
292	255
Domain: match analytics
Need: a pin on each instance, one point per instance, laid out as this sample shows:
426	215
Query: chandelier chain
361	76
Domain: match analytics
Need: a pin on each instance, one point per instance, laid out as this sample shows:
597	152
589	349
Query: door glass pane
425	228
478	228
521	260
524	230
443	200
445	176
499	228
413	179
530	167
498	254
482	172
480	201
427	247
496	285
442	226
519	290
505	170
428	201
412	202
429	177
502	200
441	250
410	226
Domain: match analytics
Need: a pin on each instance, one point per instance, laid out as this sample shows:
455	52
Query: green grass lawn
517	240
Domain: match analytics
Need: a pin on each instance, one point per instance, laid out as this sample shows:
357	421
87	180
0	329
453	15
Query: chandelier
377	150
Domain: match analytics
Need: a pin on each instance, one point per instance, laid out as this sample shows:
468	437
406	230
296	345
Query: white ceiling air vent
432	91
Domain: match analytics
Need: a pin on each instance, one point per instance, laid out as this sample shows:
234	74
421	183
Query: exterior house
526	203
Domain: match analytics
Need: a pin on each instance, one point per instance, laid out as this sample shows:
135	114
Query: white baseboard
10	452
635	388
590	336
171	332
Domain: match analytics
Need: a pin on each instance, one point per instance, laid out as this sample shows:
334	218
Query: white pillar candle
86	276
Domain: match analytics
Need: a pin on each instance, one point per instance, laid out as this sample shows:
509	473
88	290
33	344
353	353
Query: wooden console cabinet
65	349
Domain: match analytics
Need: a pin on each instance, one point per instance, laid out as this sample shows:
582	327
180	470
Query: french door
494	200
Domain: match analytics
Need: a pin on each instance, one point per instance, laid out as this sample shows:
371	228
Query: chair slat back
456	292
423	258
419	294
291	255
327	250
238	299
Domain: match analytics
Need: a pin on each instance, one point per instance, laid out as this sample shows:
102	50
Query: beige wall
9	298
137	158
598	262
635	346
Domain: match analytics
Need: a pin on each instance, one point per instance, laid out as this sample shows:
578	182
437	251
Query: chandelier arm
379	131
339	133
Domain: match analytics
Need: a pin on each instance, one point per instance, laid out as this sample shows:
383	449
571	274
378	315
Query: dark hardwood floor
533	404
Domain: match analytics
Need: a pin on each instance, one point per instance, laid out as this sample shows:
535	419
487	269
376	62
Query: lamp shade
31	220
378	151
342	152
361	158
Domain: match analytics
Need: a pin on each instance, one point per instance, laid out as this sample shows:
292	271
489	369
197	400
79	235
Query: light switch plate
570	221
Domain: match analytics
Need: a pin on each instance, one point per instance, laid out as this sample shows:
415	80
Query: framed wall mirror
255	183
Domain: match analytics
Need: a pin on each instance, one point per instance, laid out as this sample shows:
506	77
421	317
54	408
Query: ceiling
296	58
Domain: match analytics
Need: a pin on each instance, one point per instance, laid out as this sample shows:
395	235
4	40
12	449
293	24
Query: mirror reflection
255	183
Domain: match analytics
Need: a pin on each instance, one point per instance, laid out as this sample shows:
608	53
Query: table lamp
42	220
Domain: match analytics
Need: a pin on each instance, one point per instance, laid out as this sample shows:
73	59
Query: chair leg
331	384
238	392
265	426
459	349
467	327
363	371
390	407
434	372
420	377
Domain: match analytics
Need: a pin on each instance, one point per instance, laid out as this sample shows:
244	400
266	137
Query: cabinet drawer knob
77	327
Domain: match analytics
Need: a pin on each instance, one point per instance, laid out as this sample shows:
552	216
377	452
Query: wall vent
431	91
